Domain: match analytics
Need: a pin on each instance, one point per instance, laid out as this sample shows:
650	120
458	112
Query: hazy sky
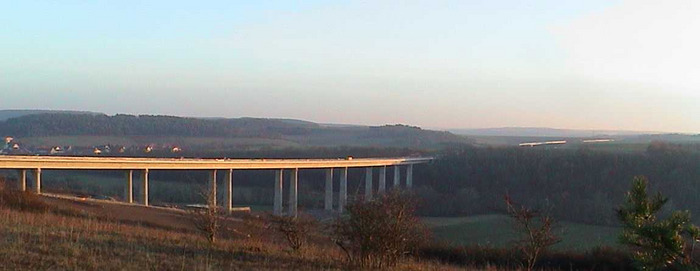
567	64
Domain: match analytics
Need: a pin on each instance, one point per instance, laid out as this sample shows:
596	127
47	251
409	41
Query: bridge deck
74	162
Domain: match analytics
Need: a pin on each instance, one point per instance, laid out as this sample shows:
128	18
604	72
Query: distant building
176	149
56	150
97	151
148	149
15	146
8	141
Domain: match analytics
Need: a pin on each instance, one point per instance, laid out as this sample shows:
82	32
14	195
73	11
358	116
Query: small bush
296	230
476	256
21	200
376	234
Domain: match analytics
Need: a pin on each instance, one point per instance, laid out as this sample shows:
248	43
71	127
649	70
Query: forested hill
299	132
8	114
144	125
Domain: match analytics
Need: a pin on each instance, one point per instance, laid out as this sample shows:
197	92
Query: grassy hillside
59	233
497	231
98	236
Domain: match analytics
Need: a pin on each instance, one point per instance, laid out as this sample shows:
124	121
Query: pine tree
656	244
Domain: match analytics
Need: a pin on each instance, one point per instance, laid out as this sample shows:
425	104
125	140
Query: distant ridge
257	132
14	113
545	132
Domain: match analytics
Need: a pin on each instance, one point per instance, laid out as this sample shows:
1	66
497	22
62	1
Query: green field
497	231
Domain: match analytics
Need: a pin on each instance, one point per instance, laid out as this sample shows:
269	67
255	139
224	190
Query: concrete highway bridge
34	165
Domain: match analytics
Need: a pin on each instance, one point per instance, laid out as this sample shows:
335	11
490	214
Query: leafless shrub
296	230
376	234
536	230
207	220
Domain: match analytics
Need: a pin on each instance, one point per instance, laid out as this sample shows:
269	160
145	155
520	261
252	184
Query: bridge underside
33	165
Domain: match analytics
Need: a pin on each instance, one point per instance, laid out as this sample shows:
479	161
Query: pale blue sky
450	64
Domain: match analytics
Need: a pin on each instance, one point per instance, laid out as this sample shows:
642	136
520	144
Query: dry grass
90	240
49	241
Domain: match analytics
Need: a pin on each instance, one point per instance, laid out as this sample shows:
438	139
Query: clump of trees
535	228
583	185
656	243
377	233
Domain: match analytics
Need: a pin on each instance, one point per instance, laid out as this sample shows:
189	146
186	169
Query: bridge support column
293	185
409	176
368	184
37	181
277	207
328	204
22	179
382	179
211	195
144	190
397	176
228	182
129	190
343	196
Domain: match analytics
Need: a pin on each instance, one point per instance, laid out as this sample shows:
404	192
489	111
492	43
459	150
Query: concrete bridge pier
211	194
409	176
277	207
343	196
37	180
328	204
228	183
368	184
293	185
129	190
397	177
144	190
22	179
382	179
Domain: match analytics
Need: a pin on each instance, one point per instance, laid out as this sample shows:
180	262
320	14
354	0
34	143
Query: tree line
576	185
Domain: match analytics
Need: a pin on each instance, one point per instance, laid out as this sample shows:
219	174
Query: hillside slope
102	236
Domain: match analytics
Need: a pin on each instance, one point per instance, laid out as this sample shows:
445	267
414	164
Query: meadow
497	231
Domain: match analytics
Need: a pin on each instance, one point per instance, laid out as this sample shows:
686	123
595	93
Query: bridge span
34	165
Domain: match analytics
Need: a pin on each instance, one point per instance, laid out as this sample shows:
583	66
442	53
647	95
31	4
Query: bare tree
296	230
207	220
536	230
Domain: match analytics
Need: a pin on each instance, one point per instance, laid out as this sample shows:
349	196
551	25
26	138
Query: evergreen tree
656	243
